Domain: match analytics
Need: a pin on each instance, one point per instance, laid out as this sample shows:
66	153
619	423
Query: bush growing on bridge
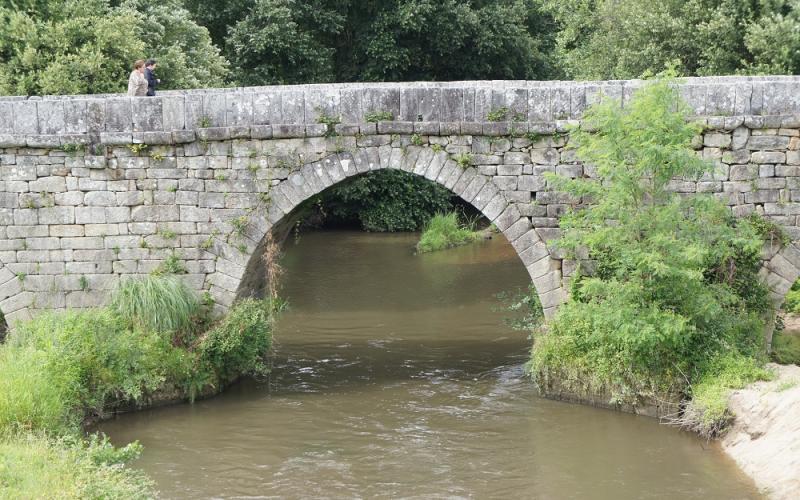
675	286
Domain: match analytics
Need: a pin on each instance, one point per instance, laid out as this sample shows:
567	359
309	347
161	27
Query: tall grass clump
674	285
158	303
446	231
33	465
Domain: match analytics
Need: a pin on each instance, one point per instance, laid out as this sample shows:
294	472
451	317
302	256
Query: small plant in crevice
463	160
157	156
497	115
533	136
171	265
167	234
416	140
378	116
436	148
330	122
83	283
204	122
137	148
72	148
239	224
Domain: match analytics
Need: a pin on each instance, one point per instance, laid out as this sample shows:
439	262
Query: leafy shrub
60	367
445	231
157	302
676	280
239	343
526	306
792	301
385	200
34	466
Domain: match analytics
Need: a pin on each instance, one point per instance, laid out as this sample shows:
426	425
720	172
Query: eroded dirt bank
765	437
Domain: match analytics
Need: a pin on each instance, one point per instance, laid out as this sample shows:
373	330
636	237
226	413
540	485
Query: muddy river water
395	377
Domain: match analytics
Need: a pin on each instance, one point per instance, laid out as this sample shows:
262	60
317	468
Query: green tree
88	46
186	56
606	39
287	41
77	46
674	282
386	200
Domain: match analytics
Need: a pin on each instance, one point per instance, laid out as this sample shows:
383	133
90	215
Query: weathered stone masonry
97	188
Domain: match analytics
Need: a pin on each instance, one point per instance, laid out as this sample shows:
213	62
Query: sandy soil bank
765	437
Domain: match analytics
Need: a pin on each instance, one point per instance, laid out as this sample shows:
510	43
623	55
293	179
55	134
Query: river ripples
395	377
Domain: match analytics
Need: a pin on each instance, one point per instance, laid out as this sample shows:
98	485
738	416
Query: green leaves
675	280
609	39
89	46
386	200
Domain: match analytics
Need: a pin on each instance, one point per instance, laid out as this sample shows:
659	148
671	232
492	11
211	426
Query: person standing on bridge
150	76
137	83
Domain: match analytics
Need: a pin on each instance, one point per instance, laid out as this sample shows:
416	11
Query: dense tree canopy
289	41
88	46
76	46
604	39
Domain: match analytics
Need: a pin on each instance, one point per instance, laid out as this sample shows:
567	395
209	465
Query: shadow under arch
469	184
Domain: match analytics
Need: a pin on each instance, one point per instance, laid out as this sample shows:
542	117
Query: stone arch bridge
97	188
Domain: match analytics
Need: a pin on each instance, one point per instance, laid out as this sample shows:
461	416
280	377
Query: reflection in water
394	377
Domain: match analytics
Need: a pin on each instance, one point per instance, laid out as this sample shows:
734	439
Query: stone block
26	120
768	142
717	140
768	157
56	215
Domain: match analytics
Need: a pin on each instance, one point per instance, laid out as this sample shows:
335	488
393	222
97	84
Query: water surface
395	377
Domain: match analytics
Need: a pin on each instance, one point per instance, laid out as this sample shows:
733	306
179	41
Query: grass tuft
446	231
157	303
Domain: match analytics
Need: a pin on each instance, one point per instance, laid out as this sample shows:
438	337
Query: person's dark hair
150	62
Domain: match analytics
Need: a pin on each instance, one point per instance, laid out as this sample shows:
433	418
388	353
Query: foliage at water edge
446	230
61	370
673	286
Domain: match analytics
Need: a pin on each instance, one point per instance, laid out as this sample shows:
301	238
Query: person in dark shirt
150	75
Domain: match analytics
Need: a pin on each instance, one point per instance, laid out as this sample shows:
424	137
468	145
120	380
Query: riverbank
154	344
764	439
